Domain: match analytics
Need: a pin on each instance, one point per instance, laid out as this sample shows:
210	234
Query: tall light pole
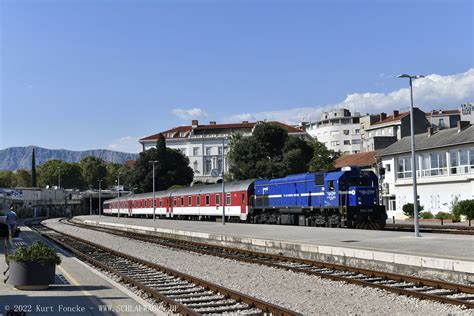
90	200
100	191
59	177
223	184
154	200
118	195
413	158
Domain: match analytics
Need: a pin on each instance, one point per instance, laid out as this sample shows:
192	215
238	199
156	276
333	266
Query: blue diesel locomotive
346	198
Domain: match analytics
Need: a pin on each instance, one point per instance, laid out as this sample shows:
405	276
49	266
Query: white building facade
338	130
203	144
445	170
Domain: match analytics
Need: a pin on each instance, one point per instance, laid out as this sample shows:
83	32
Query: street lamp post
223	184
413	158
100	202
154	199
90	200
118	195
59	177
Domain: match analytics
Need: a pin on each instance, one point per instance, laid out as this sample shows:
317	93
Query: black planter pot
30	275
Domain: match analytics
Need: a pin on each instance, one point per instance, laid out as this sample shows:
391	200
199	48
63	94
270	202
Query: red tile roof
363	159
188	128
392	118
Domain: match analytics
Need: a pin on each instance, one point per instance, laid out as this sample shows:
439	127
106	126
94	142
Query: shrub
426	215
408	209
37	252
443	215
465	207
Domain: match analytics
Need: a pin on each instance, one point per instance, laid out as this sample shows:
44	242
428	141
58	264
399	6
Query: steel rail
64	240
284	262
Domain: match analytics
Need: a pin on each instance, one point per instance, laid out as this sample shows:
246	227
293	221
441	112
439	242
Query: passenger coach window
208	199
174	202
218	200
190	200
160	202
198	200
243	198
182	201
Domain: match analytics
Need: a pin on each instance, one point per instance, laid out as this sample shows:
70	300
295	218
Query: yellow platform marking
86	293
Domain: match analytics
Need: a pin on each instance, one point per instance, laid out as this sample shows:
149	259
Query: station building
203	144
445	169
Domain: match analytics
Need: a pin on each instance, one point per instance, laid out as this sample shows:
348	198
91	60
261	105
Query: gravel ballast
306	294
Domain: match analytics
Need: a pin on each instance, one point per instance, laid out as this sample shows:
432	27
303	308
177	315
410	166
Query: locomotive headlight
359	200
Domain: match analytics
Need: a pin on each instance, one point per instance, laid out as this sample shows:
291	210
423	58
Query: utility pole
59	177
118	194
90	199
413	157
154	199
100	202
223	184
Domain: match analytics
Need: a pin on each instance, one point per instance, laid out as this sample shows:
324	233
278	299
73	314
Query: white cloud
128	144
189	114
432	92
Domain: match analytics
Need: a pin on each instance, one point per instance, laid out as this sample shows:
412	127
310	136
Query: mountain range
14	158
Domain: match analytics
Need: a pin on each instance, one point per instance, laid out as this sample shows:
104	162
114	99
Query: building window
208	151
195	165
208	166
387	167
347	142
182	134
346	132
404	167
228	199
441	123
357	131
190	200
195	151
392	206
218	199
433	164
462	161
335	143
356	141
208	199
219	165
334	133
219	149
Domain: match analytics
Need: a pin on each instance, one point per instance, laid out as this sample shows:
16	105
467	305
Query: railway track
446	229
446	292
182	293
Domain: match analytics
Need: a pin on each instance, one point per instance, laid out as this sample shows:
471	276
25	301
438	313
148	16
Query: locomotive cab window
331	185
319	179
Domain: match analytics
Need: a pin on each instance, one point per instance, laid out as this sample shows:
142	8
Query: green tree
171	169
466	208
7	179
268	153
33	169
113	170
92	169
323	158
409	209
71	177
22	178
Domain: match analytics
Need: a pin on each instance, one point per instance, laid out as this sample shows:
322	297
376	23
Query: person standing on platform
11	221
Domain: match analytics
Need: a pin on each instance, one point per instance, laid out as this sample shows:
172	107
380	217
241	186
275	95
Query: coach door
130	208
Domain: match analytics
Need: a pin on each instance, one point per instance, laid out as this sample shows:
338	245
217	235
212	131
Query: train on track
345	198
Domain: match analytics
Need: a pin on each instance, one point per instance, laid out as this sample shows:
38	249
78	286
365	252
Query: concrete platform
447	257
78	290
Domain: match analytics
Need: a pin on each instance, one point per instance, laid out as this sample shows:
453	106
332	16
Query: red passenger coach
198	202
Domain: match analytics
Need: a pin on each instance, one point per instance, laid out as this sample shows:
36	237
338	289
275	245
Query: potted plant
33	267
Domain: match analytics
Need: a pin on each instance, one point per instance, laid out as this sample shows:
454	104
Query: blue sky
100	74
